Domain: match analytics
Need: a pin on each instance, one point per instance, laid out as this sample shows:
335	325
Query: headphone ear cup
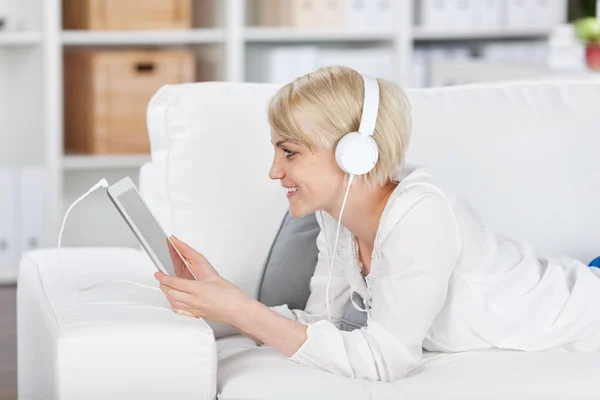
356	154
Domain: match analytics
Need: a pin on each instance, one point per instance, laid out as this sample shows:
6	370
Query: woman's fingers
187	251
182	308
177	295
183	285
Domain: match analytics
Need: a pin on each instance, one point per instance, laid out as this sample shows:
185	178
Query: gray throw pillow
290	263
290	266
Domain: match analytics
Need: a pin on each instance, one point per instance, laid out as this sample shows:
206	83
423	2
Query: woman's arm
262	324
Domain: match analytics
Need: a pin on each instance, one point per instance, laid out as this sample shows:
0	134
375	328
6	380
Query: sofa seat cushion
248	371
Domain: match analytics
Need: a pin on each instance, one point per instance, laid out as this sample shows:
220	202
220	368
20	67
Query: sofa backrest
524	154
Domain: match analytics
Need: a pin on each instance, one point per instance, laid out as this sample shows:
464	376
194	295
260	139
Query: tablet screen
148	227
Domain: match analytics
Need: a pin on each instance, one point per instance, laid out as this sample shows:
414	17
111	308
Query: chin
299	212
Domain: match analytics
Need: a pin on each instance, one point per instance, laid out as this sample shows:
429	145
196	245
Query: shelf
20	38
96	162
423	34
9	276
277	35
128	38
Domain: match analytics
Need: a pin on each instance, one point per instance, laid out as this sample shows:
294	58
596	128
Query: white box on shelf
369	15
356	17
30	195
302	14
330	14
374	61
9	249
531	14
434	14
547	13
461	15
280	64
20	15
486	15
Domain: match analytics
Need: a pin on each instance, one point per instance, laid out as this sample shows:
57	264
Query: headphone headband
356	153
370	106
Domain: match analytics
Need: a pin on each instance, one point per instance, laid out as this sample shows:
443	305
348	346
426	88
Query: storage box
127	14
303	14
434	14
107	92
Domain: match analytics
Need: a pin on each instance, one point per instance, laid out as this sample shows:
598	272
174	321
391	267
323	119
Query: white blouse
440	281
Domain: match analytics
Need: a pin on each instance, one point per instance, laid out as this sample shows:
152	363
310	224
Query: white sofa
526	155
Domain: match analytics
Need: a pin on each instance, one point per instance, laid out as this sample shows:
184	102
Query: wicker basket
107	93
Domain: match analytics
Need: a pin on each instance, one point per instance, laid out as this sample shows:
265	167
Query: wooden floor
8	343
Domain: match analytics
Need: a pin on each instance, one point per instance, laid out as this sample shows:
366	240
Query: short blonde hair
331	100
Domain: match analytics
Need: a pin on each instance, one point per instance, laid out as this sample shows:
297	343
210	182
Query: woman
429	273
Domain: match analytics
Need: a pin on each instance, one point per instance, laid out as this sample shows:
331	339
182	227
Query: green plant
588	29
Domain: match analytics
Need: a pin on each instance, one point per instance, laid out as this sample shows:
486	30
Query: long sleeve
339	290
413	269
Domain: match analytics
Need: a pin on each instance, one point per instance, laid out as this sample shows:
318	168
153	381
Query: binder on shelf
9	252
31	207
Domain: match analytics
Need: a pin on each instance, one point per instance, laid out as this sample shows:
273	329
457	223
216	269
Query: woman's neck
363	210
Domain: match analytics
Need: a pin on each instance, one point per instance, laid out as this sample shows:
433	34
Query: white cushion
119	340
250	372
211	143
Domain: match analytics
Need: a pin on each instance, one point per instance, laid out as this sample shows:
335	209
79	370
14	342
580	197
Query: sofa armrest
114	341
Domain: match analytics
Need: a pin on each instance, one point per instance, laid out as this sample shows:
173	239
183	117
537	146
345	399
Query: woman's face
311	180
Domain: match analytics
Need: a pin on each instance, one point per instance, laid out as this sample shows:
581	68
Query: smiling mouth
291	191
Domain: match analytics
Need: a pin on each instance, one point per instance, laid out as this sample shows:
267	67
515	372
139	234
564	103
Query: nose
276	172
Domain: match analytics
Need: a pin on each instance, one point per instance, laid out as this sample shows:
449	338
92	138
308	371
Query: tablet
159	247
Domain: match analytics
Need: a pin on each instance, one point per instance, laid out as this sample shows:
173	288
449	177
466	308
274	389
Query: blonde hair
331	100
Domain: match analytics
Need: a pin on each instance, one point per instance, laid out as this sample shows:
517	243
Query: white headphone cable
335	248
104	184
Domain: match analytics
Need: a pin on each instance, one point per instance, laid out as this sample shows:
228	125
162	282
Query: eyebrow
278	144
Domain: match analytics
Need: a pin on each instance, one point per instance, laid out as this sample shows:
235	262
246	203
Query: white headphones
356	153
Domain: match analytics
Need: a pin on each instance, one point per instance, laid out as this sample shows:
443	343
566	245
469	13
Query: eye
288	152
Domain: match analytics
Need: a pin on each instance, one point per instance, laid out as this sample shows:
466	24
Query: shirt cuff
324	349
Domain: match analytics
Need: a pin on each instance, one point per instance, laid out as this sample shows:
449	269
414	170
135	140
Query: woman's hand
181	270
210	297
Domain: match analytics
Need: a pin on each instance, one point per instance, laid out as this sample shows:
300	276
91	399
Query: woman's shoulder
418	191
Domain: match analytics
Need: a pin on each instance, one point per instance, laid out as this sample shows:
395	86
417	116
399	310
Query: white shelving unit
422	35
101	162
285	35
129	38
32	106
21	39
